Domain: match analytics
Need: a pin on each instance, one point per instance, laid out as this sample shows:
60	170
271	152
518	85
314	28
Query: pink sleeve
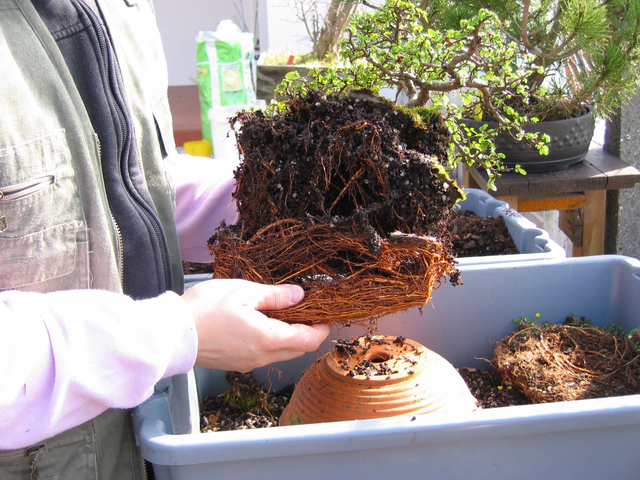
204	188
68	356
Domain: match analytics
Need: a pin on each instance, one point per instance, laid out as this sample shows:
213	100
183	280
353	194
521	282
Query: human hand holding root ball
234	335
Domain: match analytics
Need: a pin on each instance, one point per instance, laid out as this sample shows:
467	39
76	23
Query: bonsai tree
580	51
346	194
514	63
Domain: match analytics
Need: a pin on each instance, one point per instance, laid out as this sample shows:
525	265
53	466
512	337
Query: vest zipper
22	189
157	229
116	228
23	452
119	250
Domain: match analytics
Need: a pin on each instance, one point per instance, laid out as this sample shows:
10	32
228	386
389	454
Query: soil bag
225	65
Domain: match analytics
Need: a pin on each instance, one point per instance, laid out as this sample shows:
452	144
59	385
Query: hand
233	335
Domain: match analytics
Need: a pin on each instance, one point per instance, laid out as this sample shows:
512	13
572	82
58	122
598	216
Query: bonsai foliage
580	51
512	62
397	45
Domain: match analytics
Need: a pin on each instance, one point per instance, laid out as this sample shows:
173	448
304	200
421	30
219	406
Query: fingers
233	334
281	336
282	342
277	297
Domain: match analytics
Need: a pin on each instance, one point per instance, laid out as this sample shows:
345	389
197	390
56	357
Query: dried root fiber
571	361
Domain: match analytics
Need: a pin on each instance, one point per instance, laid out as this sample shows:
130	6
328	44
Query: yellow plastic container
198	148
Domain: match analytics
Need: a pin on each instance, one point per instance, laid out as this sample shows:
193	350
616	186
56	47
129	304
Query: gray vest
57	230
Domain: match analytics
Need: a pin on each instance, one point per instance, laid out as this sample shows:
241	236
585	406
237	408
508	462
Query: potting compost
473	235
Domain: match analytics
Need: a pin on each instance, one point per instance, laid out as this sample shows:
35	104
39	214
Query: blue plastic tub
532	242
586	439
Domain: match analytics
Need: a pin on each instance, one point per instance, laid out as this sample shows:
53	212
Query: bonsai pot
375	377
568	145
270	76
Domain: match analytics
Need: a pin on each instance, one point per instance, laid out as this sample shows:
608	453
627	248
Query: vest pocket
44	243
44	257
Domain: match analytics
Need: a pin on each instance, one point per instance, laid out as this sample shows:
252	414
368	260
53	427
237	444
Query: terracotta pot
375	377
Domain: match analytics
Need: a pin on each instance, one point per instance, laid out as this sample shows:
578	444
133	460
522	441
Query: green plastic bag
225	70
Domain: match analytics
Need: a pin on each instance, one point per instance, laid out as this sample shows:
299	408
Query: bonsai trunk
339	13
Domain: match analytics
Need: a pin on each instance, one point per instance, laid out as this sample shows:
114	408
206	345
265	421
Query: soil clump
569	361
473	235
347	197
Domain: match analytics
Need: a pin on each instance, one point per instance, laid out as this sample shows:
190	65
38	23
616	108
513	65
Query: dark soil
545	111
333	156
246	405
473	235
263	409
490	390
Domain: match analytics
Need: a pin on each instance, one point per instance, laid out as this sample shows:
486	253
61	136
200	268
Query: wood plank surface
599	171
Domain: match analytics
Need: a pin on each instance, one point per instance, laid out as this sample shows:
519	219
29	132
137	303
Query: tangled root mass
344	195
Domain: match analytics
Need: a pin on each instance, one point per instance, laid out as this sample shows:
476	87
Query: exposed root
553	363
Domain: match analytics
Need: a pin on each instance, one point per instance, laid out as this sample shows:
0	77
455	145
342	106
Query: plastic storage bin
587	439
532	242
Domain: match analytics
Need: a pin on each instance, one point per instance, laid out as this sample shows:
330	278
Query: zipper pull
3	219
33	453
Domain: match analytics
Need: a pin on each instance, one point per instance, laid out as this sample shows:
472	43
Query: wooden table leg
469	180
594	222
512	200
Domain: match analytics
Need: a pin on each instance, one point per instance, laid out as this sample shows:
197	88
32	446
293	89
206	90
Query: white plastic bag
225	70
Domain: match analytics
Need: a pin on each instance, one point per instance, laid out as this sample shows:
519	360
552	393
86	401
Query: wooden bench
579	193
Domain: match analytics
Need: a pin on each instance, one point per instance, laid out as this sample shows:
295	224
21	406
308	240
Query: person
92	309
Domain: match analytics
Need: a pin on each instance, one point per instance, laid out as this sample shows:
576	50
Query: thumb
278	297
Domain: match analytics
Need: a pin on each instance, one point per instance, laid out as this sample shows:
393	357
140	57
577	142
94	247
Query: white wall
284	29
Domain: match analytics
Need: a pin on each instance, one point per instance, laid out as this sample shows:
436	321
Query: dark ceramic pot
270	76
569	143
